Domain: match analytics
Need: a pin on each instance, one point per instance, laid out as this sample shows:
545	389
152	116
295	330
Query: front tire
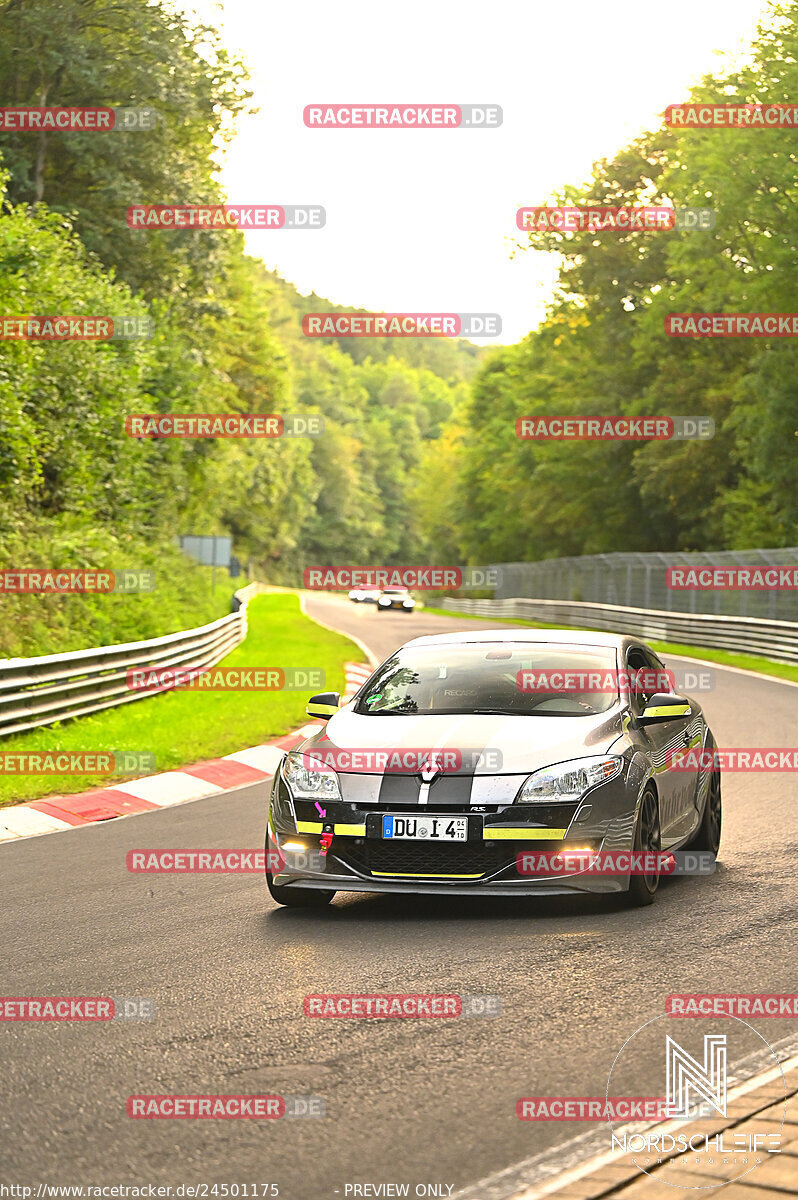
643	888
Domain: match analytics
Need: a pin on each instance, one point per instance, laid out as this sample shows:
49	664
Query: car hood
488	745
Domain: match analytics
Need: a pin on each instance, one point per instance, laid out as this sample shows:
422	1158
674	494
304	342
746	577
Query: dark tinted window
648	674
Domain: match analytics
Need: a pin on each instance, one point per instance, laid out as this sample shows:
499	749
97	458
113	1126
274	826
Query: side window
636	661
660	676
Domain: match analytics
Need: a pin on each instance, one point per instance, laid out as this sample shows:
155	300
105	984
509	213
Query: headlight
567	781
310	783
408	604
383	600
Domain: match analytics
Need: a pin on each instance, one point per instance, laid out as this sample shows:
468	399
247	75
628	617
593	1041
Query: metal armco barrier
57	687
777	640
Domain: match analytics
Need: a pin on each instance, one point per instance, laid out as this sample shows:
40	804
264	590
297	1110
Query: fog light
300	846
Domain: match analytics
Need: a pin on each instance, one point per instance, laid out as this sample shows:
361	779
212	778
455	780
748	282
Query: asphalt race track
416	1101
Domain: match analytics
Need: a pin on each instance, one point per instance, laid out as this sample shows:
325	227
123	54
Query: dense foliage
227	333
602	349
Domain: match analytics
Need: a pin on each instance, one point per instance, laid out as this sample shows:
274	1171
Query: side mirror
324	705
664	706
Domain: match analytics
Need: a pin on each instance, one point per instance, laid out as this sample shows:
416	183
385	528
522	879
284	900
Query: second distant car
365	595
396	598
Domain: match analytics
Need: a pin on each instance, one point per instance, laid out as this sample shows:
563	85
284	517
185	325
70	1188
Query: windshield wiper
530	712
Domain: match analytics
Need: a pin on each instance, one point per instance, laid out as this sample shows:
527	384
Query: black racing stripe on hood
445	789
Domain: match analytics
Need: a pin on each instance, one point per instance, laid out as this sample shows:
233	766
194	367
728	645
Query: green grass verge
182	727
746	662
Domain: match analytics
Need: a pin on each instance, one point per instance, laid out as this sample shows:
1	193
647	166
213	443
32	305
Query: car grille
419	858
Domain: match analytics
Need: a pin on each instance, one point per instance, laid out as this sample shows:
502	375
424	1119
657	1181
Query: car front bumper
358	858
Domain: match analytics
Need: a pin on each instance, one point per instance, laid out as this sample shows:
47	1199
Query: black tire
643	888
298	897
707	836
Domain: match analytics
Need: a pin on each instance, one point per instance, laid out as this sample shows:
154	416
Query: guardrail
57	687
777	640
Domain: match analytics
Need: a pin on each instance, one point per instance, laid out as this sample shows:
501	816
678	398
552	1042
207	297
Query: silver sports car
492	762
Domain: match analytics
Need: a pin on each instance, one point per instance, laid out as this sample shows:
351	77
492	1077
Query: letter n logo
684	1073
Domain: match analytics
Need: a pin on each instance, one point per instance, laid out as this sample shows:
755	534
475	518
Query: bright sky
424	220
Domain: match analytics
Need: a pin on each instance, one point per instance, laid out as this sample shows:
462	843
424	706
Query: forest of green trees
419	461
602	349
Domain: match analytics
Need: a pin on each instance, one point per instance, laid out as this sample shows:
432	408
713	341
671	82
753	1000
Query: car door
662	742
686	781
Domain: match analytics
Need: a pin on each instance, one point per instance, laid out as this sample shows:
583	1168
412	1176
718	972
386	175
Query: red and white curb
160	791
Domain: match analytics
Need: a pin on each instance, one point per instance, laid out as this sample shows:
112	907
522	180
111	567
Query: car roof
571	637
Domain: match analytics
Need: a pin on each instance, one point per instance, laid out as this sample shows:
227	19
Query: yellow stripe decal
668	710
540	835
428	874
321	710
316	827
491	834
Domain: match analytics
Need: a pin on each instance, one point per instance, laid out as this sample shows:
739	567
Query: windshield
540	679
